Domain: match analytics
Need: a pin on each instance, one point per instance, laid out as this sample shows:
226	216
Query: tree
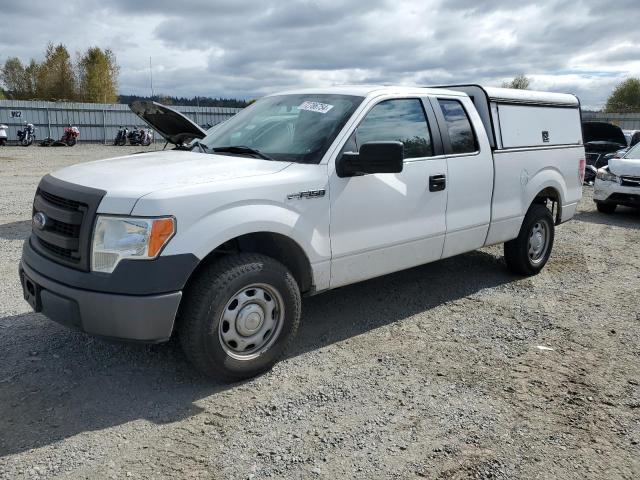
98	76
56	79
521	82
14	78
625	97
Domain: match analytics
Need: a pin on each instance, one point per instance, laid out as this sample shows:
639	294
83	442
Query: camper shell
516	118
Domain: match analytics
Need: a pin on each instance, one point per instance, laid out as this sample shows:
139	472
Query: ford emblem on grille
40	220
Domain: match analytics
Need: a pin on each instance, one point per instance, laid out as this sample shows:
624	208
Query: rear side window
461	135
401	120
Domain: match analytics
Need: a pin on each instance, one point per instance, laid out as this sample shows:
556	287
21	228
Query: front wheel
528	253
238	316
606	207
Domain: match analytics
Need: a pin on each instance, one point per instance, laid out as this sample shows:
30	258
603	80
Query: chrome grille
627	181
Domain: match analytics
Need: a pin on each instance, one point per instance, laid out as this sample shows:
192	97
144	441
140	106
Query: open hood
625	166
175	127
603	135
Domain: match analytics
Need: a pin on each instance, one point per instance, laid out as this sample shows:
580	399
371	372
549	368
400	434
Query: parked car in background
618	183
305	191
600	139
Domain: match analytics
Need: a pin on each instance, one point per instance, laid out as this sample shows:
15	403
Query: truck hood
175	127
624	166
126	179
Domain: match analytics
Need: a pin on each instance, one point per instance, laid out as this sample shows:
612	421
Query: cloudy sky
237	48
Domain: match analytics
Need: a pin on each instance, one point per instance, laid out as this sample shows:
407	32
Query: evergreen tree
56	79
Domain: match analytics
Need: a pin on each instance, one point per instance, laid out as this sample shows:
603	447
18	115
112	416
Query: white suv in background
619	182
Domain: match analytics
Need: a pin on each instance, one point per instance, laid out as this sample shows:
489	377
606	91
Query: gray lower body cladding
134	307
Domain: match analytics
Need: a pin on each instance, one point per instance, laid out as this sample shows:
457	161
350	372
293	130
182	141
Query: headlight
606	176
117	238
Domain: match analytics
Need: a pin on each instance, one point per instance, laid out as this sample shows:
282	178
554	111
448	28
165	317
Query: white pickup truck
302	192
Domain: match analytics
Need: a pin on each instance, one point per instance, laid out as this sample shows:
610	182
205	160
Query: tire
71	142
606	207
523	257
219	305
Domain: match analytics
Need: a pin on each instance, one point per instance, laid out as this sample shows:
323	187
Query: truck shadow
15	230
623	217
55	383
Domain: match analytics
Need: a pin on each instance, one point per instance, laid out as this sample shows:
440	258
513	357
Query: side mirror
374	157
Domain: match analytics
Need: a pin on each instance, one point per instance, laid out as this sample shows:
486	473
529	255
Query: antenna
151	77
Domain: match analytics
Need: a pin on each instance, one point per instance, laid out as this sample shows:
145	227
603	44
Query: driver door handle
437	183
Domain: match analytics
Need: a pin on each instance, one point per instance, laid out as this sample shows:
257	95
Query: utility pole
151	77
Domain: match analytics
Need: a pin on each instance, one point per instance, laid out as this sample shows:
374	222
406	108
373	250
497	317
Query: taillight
581	166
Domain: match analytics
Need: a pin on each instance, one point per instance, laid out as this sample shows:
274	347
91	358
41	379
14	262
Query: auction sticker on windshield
315	107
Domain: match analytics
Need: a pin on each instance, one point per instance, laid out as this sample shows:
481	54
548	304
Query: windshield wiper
197	143
242	149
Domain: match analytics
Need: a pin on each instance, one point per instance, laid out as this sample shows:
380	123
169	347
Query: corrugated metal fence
626	121
98	122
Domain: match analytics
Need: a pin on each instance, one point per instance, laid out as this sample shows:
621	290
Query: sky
246	49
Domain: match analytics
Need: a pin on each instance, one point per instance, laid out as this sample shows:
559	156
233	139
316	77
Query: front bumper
137	302
145	318
614	193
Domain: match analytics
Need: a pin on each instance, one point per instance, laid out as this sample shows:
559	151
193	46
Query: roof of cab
367	90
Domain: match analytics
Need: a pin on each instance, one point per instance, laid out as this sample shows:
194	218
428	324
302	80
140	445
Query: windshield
634	153
291	128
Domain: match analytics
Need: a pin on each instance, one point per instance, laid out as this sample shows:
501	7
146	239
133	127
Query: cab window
401	120
461	135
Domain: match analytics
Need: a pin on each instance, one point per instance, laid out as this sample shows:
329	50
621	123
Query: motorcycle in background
140	136
3	135
70	136
121	136
27	135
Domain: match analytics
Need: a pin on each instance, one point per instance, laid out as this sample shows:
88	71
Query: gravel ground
435	372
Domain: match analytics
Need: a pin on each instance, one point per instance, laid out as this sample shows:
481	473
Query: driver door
381	223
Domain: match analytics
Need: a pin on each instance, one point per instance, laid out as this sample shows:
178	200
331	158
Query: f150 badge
306	194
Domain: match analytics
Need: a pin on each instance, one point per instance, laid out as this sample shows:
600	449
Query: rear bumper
145	318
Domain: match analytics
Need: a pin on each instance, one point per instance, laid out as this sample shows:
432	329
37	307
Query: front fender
209	232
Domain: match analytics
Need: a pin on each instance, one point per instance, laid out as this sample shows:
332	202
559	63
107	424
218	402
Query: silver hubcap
538	242
251	321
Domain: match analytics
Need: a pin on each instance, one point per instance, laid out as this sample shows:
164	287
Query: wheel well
274	245
547	195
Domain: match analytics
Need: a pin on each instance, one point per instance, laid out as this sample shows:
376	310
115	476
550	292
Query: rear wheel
528	253
606	207
239	316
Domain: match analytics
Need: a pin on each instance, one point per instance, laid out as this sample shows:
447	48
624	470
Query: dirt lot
434	372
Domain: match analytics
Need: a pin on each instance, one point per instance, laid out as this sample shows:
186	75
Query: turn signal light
161	232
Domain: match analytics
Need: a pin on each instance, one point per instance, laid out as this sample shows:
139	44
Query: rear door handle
437	183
